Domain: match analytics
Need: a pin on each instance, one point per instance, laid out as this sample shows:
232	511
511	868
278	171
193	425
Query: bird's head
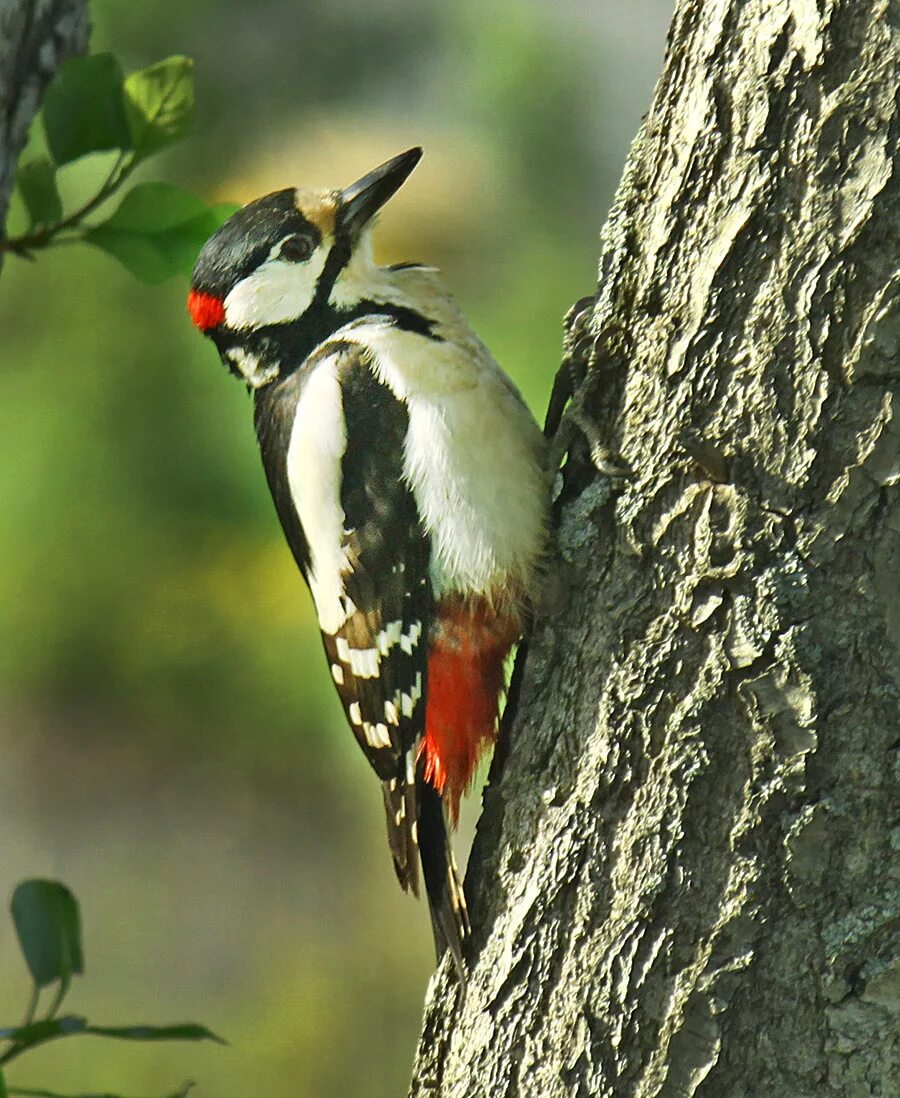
277	277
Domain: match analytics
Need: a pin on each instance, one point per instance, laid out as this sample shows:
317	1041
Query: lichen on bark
685	880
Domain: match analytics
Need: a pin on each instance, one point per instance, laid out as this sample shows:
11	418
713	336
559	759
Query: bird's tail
446	899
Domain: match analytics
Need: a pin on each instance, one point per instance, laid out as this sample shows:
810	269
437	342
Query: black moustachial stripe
290	344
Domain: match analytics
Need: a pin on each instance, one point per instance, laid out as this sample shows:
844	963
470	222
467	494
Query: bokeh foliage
173	746
47	920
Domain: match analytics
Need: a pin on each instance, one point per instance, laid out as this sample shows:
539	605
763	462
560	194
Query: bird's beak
364	198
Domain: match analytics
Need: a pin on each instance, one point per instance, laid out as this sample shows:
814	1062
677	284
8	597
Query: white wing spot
391	713
337	673
364	662
388	637
408	641
343	650
376	735
408	701
355	713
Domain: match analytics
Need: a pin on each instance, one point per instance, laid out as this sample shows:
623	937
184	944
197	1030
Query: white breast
473	456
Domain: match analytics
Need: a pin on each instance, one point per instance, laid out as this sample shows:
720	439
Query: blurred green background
172	748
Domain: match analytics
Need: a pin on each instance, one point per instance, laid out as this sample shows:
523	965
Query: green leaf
84	108
48	924
159	103
4	1093
36	182
187	1031
150	208
29	1092
37	1033
158	230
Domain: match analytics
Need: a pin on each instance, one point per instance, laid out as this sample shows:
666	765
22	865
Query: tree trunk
36	36
685	879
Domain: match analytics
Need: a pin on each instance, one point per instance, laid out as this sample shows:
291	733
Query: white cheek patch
275	293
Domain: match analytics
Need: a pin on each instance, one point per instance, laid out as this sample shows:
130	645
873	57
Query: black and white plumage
385	596
407	475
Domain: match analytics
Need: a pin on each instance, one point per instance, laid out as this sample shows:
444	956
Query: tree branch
36	36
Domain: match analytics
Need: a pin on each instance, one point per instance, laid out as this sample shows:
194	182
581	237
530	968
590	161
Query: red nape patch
465	677
206	310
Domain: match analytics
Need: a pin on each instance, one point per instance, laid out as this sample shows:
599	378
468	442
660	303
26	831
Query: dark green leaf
48	924
158	230
188	1031
159	102
37	186
4	1093
84	108
29	1092
36	1033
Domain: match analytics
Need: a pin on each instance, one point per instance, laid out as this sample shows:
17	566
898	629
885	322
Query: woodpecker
409	479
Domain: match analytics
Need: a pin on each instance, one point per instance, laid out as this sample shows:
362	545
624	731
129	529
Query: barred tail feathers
401	813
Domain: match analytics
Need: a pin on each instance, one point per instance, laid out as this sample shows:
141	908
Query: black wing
379	656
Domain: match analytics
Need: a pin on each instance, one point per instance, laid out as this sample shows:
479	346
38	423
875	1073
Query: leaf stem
12	1052
24	245
61	990
32	1005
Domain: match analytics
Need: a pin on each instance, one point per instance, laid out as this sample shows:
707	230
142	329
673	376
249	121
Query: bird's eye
296	249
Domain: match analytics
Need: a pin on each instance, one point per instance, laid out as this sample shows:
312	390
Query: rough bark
685	880
36	36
